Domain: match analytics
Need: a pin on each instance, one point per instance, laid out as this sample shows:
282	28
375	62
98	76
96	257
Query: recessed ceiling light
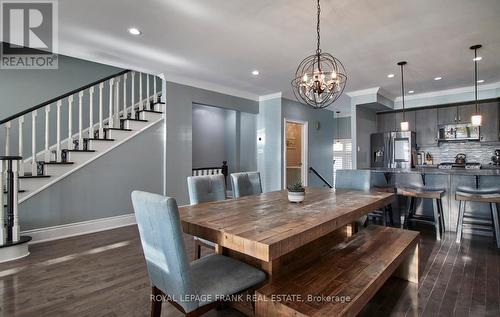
480	81
411	91
255	72
438	78
134	31
477	58
390	75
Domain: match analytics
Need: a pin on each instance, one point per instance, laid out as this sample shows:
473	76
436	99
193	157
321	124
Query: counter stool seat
484	195
424	193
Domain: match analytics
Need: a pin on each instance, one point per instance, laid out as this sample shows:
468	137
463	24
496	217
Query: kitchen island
448	180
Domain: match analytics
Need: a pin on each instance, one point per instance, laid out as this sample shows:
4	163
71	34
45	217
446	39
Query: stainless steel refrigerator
393	149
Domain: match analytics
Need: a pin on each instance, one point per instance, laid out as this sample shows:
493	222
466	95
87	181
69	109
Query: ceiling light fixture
405	125
480	81
411	91
477	59
320	78
438	78
255	72
390	76
338	126
476	119
134	31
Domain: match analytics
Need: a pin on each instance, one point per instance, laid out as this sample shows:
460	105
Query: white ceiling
217	43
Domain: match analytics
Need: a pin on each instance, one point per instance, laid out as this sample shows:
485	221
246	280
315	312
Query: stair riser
134	125
150	116
80	157
57	170
159	107
99	146
32	184
118	135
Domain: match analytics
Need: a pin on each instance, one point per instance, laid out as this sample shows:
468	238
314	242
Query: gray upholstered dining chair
191	288
357	180
203	189
245	184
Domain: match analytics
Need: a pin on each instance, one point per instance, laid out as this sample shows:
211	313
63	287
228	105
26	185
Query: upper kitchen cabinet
409	116
490	127
465	112
385	122
447	115
426	126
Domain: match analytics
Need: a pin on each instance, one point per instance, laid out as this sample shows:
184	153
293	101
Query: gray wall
320	141
366	124
208	136
248	142
102	188
180	99
343	130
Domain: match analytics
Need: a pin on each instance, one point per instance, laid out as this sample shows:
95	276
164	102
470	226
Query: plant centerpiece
296	192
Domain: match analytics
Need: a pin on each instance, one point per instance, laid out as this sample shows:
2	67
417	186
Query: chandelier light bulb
334	75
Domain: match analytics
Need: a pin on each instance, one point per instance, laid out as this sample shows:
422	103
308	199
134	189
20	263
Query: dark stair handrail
320	177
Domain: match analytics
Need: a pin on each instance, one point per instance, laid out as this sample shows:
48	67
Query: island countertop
485	171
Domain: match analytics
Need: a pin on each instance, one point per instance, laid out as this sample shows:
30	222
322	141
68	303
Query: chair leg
391	219
496	226
461	210
156	302
437	221
384	216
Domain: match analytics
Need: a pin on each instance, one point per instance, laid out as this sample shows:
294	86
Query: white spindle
47	136
80	120
125	96
91	113
101	132
140	91
147	91
132	113
33	142
3	229
116	117
7	138
70	121
15	227
58	131
155	98
20	133
110	116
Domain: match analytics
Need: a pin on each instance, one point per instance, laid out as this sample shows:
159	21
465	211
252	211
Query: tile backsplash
475	152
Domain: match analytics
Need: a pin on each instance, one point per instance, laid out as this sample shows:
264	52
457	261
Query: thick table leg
408	270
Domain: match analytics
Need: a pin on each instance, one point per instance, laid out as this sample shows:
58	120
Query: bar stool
386	212
437	206
491	196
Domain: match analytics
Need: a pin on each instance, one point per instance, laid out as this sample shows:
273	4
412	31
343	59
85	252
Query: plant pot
296	197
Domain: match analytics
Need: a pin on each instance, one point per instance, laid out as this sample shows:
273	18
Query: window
342	159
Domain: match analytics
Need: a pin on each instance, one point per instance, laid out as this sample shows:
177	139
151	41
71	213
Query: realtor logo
29	34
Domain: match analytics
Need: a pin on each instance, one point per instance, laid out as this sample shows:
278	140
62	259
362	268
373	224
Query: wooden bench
344	280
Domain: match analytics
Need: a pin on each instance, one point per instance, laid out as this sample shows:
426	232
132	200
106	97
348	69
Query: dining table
275	235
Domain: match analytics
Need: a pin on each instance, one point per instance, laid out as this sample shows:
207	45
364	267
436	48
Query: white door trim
304	149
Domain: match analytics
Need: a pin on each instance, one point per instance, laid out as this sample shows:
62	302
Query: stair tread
19	191
152	111
34	176
58	163
118	129
79	150
98	139
131	119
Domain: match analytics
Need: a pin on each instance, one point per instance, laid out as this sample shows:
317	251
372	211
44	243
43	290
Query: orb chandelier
320	78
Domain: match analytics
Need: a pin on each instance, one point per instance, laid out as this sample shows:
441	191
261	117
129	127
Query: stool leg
496	227
407	213
441	212
461	210
384	216
436	219
389	212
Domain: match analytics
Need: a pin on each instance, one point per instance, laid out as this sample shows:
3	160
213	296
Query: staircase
94	119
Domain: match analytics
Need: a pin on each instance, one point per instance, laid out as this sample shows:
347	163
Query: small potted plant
296	192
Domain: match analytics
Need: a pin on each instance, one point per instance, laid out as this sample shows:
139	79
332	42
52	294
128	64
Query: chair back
353	179
245	184
206	188
163	245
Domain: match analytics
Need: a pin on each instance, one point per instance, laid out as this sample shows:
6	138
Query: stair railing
82	101
327	184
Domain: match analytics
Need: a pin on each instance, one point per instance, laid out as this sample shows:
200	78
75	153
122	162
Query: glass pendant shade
476	119
405	126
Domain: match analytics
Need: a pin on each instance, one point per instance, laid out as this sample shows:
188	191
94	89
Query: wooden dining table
275	235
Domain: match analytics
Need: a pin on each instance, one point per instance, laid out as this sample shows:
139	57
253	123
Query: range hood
458	132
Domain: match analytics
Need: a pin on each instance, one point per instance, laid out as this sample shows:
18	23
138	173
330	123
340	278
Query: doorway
295	152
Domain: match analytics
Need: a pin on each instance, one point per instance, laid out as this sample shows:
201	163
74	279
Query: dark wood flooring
104	274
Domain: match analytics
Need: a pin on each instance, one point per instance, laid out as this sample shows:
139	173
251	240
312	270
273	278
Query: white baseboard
79	228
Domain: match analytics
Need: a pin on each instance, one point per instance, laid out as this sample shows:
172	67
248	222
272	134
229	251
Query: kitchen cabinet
426	126
490	127
409	116
447	115
385	122
465	112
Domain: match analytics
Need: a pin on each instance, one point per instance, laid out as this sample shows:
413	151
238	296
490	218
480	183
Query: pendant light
320	78
338	127
405	126
476	119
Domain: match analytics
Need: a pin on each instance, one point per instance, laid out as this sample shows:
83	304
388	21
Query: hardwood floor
104	274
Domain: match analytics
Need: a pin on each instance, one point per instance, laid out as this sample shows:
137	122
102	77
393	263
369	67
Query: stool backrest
353	179
206	188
